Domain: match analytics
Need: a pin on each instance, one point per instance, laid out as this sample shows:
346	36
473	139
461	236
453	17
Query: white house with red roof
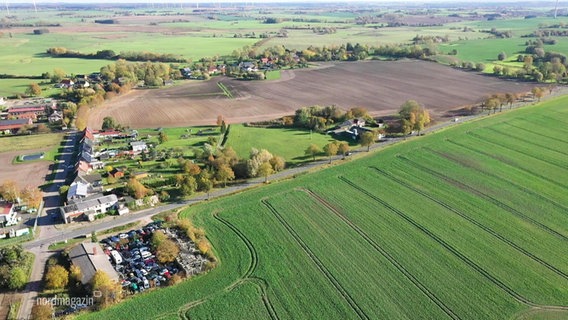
7	214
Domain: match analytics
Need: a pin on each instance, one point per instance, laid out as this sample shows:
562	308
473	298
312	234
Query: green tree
312	151
367	139
18	278
501	56
205	185
331	149
108	123
58	75
33	90
57	277
162	137
189	185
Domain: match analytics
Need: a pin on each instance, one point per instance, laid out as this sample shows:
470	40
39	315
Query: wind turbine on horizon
7	8
555	9
35	8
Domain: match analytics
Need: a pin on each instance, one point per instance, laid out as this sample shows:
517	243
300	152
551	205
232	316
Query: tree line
61	52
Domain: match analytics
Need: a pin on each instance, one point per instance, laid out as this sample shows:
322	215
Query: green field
288	143
33	142
467	223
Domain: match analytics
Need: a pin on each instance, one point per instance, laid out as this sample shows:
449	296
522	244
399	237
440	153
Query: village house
55	117
7	214
90	258
88	207
138	146
12	126
38	106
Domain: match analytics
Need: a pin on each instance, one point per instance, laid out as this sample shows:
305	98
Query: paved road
49	234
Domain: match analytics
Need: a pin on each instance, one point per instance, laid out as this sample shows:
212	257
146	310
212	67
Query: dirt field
381	87
24	174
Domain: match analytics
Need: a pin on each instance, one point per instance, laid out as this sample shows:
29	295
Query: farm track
485	196
529	142
509	148
342	291
453	250
534	132
507	162
385	254
507	182
247	276
474	222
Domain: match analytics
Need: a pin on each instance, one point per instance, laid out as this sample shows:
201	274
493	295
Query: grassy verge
272	75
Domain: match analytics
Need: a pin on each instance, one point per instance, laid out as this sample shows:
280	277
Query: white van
116	256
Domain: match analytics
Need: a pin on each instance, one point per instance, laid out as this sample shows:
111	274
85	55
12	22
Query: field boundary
384	253
342	291
487	197
474	222
225	90
451	249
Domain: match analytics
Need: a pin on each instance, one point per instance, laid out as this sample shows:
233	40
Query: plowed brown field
379	86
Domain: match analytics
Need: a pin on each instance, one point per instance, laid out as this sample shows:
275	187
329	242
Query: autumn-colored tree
32	196
33	90
422	119
367	139
510	98
331	149
312	151
57	277
220	120
75	274
343	148
413	116
191	168
107	291
265	170
167	251
175	279
157	238
58	75
537	92
224	174
203	246
137	189
205	184
278	163
492	104
223	126
10	191
42	311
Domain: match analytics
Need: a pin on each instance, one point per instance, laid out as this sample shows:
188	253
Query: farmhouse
55	117
90	258
88	207
7	213
138	146
66	83
14	125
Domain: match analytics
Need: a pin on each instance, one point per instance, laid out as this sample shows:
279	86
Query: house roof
83	204
89	178
90	258
6	208
30	109
86	156
14	122
78	189
137	143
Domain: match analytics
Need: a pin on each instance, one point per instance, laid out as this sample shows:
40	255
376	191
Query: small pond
33	156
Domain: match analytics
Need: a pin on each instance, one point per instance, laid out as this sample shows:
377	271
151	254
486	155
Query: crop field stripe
530	142
385	254
226	90
486	197
352	303
505	181
508	163
564	123
251	268
536	133
450	248
542	122
515	150
474	222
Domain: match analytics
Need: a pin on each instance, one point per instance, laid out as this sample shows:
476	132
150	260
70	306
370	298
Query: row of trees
11	192
14	266
319	118
61	52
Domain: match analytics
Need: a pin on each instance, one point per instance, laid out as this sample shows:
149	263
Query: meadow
288	143
466	223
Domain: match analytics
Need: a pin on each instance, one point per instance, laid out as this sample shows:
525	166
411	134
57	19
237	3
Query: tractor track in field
331	278
529	142
474	222
541	122
485	196
247	276
508	162
385	254
509	148
453	250
534	132
508	182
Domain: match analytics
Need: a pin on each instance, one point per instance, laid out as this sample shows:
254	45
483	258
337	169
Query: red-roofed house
14	125
7	214
29	115
16	112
